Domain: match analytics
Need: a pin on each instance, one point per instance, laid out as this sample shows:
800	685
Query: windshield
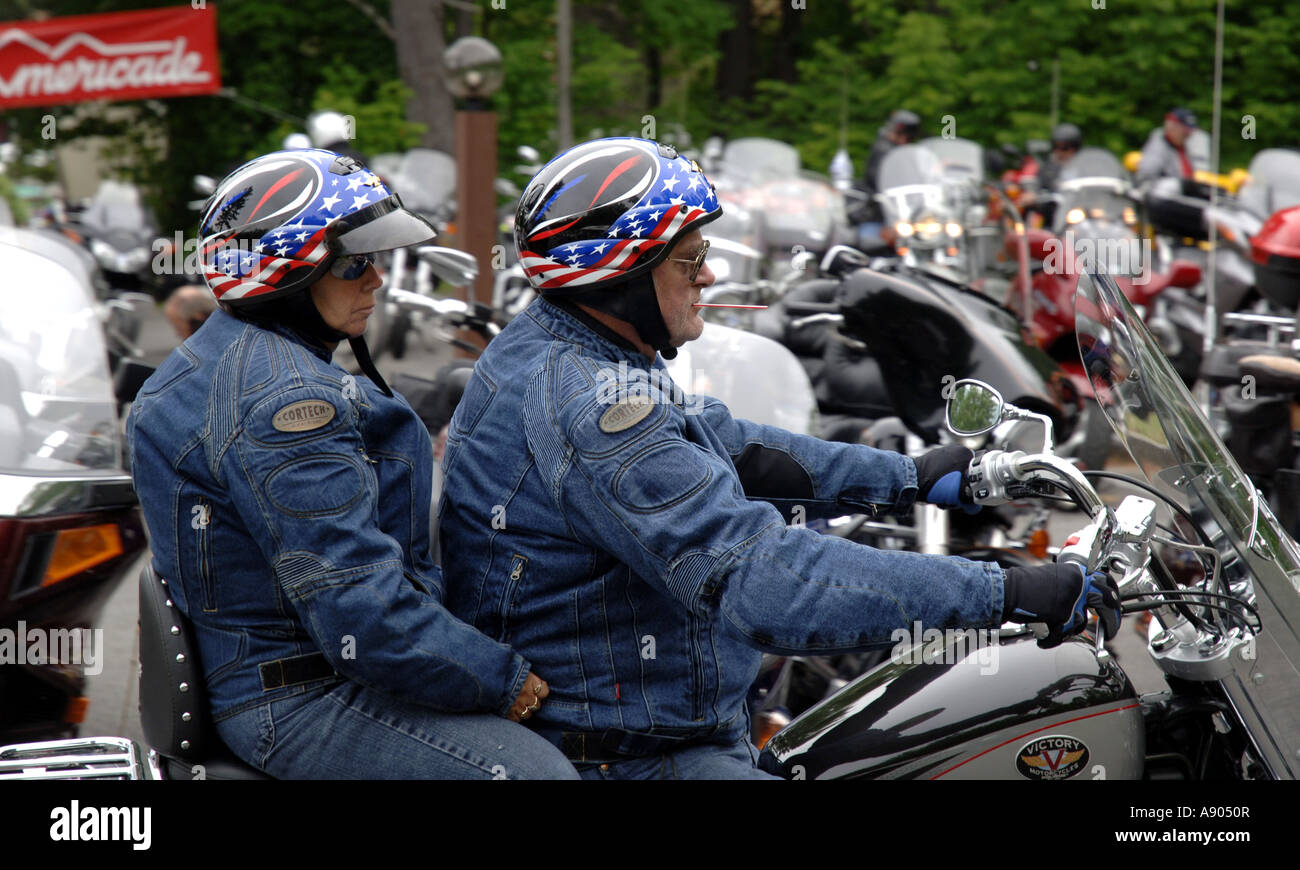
754	161
959	159
1091	163
57	410
1274	182
426	180
1163	429
116	208
909	164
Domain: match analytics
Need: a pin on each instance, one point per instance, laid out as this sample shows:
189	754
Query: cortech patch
626	413
303	416
1056	756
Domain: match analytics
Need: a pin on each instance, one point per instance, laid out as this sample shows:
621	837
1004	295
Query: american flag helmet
275	224
607	211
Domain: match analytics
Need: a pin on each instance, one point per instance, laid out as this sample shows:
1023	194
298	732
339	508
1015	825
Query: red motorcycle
1094	215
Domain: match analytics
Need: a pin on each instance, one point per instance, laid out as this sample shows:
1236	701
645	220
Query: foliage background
789	69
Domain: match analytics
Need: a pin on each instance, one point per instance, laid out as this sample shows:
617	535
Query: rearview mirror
457	268
974	408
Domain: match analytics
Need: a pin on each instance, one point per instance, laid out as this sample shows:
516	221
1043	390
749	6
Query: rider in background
1176	149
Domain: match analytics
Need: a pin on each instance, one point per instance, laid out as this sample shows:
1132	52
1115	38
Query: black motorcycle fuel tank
1007	710
927	333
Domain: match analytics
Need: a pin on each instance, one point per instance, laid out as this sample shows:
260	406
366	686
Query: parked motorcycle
426	181
69	522
120	234
1198	549
781	210
930	194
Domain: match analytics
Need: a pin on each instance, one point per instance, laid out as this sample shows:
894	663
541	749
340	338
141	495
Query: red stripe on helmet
274	187
549	233
617	171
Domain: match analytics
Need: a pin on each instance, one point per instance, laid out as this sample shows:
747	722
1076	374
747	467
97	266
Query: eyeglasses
697	262
353	267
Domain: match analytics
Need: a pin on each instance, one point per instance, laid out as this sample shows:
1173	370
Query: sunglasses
353	267
697	262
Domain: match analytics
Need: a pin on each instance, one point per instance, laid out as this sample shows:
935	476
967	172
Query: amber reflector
75	550
1038	543
75	714
768	724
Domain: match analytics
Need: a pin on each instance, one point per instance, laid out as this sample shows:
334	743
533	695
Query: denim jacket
631	545
288	508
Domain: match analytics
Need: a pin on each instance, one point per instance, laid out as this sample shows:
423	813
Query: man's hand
941	477
1060	595
530	698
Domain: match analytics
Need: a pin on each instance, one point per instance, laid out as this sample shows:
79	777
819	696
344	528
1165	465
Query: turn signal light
1038	543
75	712
76	550
769	724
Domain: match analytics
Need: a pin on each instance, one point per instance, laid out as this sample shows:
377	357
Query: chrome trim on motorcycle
78	758
26	495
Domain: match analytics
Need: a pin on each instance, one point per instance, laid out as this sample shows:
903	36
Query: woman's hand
530	698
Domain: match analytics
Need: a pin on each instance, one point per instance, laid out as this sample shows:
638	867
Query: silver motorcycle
1198	548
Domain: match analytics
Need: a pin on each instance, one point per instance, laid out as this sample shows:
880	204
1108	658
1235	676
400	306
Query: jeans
732	760
732	757
349	731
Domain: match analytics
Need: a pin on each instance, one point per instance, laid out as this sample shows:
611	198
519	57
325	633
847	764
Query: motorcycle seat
173	699
1181	274
1222	367
1273	372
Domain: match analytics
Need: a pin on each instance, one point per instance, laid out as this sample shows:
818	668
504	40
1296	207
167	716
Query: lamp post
473	73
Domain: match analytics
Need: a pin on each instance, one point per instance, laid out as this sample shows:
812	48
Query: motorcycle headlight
1074	215
904	229
927	228
953	229
135	259
104	253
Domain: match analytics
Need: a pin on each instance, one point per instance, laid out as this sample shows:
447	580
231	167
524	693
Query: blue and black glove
941	477
1060	595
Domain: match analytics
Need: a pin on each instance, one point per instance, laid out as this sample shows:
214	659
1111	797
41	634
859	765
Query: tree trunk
418	26
787	47
737	61
654	72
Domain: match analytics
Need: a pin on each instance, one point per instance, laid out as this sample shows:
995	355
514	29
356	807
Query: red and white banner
167	52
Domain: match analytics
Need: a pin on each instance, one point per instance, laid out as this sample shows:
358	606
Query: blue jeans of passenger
349	731
734	760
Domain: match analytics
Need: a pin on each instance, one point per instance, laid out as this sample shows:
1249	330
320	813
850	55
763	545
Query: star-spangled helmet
275	224
607	211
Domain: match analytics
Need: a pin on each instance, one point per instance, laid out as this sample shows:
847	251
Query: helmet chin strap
362	352
638	304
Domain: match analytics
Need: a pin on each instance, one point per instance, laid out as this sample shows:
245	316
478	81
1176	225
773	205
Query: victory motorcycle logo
1053	757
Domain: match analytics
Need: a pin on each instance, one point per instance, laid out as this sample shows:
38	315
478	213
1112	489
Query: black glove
941	477
1059	595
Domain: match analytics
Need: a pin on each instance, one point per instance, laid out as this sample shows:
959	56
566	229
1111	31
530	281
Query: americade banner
168	52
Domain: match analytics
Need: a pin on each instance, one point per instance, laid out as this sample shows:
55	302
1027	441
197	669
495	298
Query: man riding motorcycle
1174	149
288	501
628	541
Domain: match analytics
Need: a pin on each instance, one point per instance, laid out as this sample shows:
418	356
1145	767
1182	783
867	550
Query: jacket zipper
697	671
205	553
517	565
